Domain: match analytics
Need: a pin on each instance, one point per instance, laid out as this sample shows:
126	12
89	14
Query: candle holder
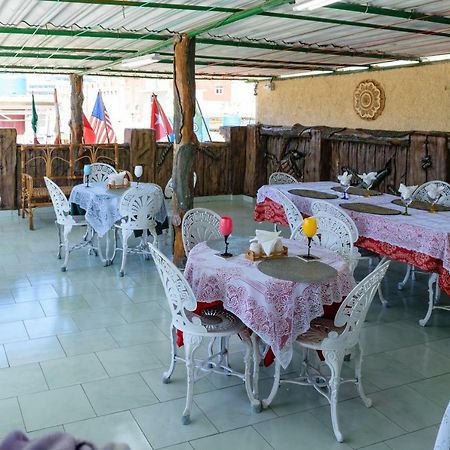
406	202
87	181
226	254
346	188
138	171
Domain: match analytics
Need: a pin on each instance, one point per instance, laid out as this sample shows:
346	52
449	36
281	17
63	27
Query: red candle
226	225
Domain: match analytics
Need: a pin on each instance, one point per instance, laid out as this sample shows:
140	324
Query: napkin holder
252	256
118	181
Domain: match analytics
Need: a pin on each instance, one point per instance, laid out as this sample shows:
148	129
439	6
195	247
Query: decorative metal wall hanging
368	100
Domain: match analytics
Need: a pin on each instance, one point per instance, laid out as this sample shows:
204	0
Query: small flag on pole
101	123
159	121
200	127
57	119
34	119
88	132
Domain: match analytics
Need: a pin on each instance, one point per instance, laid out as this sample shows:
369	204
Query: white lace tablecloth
421	232
102	204
277	310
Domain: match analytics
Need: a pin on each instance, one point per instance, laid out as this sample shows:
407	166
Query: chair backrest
443	436
139	205
179	294
60	203
293	215
332	234
281	178
421	192
199	225
168	190
353	310
320	208
100	172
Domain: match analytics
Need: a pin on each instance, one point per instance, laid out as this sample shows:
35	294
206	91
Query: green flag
200	128
34	118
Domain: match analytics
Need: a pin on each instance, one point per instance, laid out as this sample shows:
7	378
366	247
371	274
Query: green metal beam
64	49
178	6
41	55
397	13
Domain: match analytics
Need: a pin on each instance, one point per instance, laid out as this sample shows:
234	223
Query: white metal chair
336	339
433	296
168	190
281	178
293	215
138	208
199	225
100	173
332	234
65	222
212	323
443	436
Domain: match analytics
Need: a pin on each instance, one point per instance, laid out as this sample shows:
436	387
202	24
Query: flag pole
203	119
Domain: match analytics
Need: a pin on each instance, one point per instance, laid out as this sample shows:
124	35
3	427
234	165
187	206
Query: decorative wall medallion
368	100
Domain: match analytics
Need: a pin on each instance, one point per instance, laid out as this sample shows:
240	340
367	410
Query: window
219	90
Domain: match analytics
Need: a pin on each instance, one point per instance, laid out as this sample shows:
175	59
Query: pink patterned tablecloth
421	232
277	310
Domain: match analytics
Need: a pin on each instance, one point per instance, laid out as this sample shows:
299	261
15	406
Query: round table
276	310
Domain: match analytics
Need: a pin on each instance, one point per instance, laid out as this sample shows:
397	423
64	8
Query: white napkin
434	191
269	240
345	178
406	192
368	178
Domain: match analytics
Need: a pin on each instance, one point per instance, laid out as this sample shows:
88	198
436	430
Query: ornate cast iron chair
281	178
332	234
443	436
293	215
433	296
100	172
336	339
211	323
199	225
65	222
138	207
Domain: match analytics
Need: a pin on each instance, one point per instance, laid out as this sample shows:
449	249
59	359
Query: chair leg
30	217
246	339
58	227
173	355
402	284
358	365
431	298
334	361
67	230
256	362
191	343
276	384
125	235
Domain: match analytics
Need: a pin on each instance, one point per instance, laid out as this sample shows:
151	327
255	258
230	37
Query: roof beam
179	6
398	13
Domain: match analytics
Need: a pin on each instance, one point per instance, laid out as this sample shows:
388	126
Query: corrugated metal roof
93	36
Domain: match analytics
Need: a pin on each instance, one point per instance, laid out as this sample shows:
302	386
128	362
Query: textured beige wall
417	98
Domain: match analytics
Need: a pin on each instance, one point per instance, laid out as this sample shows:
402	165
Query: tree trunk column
76	109
185	140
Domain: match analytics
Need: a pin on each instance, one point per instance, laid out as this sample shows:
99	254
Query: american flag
101	123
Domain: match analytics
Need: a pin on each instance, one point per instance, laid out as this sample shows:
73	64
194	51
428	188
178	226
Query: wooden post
186	142
8	168
76	109
142	151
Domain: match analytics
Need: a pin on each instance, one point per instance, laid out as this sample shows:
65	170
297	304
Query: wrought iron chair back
179	294
320	208
139	206
100	172
168	190
353	310
281	178
60	203
421	192
199	225
332	234
443	436
293	215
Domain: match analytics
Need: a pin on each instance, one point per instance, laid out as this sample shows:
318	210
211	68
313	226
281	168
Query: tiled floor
84	351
